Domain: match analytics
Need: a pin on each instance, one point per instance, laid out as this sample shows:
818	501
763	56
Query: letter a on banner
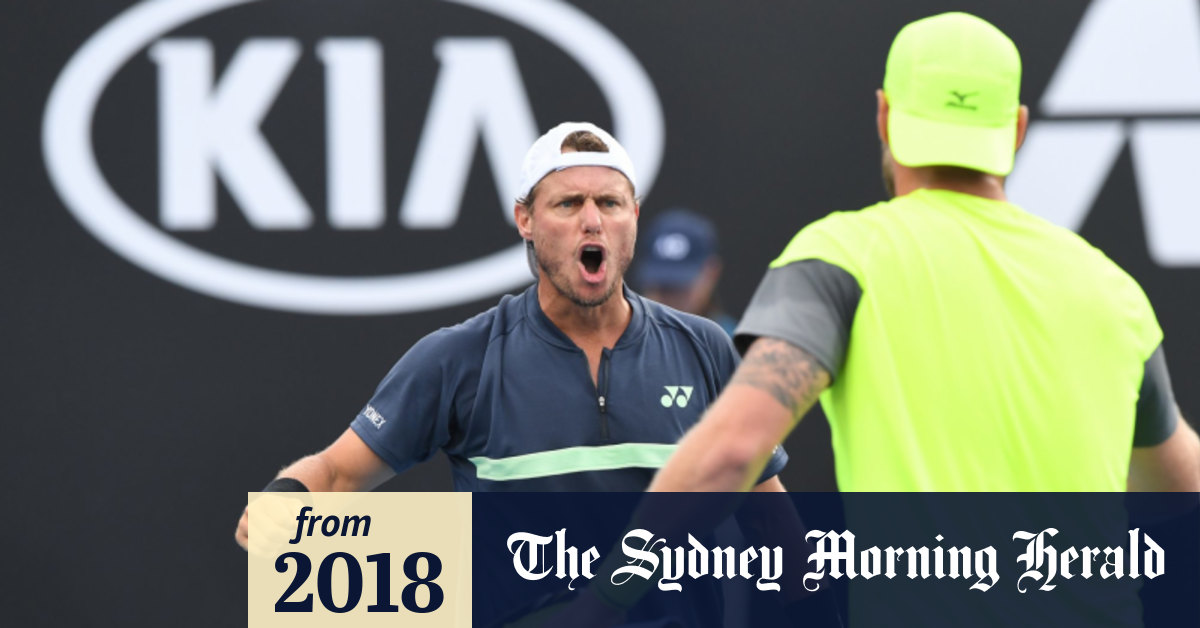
479	92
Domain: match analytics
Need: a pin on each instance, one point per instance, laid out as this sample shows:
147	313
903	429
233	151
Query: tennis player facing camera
577	384
956	342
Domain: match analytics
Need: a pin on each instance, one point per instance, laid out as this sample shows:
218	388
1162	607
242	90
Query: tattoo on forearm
785	371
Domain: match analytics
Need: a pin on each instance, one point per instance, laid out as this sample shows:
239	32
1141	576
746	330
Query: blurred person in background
679	265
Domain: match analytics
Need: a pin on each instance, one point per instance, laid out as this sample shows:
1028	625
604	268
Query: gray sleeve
1156	413
809	303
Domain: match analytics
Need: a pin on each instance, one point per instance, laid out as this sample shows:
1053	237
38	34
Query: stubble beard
558	278
888	170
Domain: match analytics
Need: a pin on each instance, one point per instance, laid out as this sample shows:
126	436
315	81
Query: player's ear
1022	125
881	115
523	216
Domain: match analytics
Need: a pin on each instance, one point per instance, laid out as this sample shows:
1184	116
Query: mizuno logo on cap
960	100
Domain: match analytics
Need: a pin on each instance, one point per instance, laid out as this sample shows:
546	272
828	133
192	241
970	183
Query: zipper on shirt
602	393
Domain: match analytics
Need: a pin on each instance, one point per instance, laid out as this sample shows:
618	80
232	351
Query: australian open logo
1128	83
255	168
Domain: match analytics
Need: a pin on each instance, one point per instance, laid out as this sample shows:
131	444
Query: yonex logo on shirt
376	418
678	395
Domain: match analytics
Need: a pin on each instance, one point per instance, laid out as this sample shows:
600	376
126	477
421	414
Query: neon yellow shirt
990	351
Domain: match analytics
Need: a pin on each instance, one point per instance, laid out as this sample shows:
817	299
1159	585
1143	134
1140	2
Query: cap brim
917	142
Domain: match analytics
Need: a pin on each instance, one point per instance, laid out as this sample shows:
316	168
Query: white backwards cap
546	156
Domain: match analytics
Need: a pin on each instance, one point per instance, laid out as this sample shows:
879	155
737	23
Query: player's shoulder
850	220
692	326
473	335
1108	287
839	238
1076	253
1110	280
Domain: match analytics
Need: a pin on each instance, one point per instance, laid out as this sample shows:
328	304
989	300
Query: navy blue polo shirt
511	401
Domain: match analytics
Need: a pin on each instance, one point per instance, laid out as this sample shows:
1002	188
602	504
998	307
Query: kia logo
209	129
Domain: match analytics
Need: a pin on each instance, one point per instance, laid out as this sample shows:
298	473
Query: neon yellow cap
953	85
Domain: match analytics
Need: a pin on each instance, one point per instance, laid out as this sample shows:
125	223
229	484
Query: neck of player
967	182
600	324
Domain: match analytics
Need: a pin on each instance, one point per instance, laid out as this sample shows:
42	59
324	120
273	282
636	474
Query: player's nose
590	216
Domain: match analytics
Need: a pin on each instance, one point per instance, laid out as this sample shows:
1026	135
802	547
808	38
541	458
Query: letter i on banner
359	559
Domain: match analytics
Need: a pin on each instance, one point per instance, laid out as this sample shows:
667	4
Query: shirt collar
550	332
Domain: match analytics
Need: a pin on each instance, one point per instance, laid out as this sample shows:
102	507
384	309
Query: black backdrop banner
232	217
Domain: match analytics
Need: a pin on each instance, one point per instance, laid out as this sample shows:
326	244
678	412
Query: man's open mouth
592	258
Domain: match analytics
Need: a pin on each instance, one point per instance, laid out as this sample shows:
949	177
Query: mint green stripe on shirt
573	460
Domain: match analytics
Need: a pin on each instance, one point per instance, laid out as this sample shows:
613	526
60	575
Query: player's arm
1173	465
773	388
794	335
770	485
1166	451
346	465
